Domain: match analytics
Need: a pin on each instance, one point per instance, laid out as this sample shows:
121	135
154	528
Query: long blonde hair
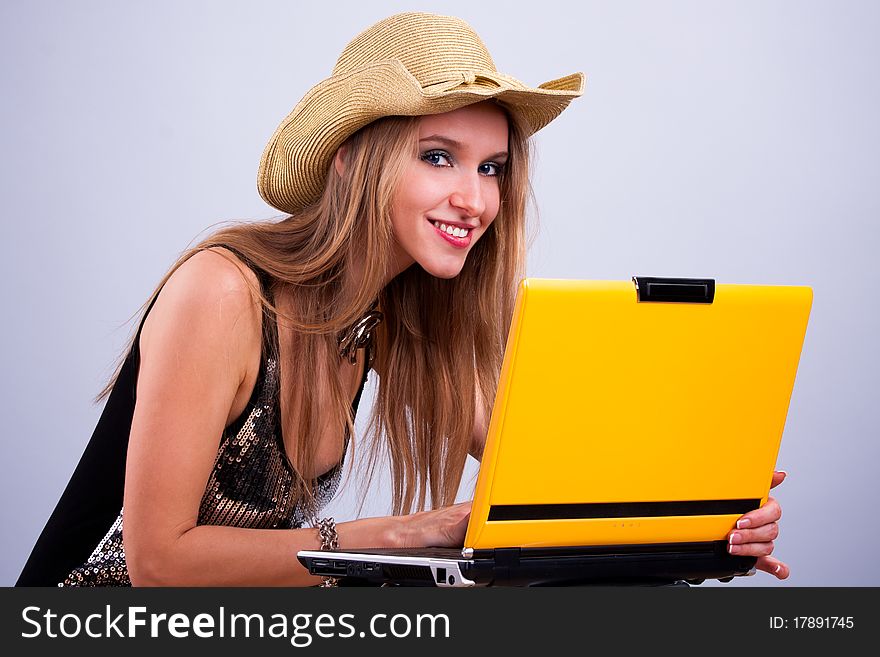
439	339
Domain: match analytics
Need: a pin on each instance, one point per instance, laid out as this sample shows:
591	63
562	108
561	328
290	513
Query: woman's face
450	193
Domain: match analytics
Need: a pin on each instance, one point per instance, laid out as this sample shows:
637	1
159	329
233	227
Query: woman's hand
443	527
755	532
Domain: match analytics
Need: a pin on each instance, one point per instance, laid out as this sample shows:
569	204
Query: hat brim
294	164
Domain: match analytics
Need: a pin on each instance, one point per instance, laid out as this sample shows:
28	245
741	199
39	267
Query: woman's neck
400	261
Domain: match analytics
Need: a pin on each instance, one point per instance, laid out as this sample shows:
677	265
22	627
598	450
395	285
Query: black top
249	485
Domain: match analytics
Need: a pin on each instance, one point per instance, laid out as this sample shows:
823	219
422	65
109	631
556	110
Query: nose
468	195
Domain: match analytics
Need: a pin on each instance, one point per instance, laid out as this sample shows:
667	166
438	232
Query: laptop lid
636	412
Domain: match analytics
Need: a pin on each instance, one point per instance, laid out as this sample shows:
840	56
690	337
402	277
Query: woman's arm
195	348
212	555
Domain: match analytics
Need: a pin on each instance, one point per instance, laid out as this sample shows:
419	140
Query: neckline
279	424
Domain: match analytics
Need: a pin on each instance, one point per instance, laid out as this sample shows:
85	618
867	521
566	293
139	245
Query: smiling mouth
454	231
458	237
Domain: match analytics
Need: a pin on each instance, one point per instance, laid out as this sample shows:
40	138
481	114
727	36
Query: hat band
484	78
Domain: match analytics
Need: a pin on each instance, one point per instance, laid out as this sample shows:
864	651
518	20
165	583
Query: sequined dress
250	484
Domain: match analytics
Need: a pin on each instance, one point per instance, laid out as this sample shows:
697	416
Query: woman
405	176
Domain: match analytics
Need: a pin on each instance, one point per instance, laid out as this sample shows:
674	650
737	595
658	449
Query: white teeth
452	230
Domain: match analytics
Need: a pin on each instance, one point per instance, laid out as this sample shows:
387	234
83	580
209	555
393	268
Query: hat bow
467	78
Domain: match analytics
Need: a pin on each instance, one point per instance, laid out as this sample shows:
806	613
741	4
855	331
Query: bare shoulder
209	298
217	272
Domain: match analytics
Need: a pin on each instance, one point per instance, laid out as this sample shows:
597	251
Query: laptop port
328	568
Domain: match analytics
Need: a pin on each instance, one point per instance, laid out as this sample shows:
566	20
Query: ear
339	159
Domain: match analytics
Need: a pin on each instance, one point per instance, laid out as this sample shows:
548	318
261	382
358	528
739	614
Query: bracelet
329	541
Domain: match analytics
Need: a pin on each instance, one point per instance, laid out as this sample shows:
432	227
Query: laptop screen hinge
507	557
506	564
677	290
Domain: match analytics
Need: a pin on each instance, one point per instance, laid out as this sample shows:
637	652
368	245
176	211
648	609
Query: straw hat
409	64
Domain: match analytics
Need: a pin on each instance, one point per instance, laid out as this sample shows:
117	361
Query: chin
445	271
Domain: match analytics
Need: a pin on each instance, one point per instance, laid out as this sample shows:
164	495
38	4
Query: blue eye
435	158
495	169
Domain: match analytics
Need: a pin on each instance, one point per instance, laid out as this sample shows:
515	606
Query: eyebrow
451	143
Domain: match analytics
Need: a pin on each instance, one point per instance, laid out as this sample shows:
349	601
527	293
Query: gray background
732	140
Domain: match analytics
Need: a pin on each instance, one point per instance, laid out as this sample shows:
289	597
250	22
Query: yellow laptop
634	422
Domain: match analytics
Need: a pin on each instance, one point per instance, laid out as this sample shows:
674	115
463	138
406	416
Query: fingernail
733	549
734	538
778	568
742	523
784	473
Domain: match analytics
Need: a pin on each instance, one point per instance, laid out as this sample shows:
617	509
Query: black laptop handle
676	290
